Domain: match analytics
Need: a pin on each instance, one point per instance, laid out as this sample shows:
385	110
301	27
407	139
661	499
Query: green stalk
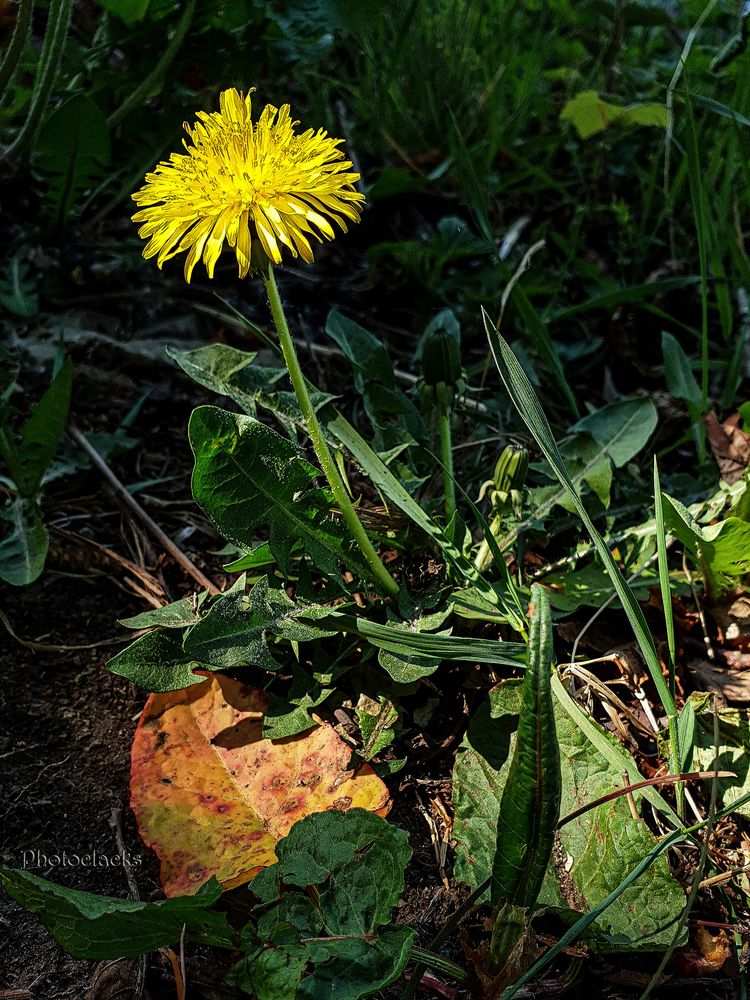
484	553
17	42
54	41
147	85
446	458
439	964
675	751
327	464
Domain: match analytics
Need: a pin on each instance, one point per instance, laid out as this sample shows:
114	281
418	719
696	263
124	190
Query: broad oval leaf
620	429
591	115
595	851
212	797
23	550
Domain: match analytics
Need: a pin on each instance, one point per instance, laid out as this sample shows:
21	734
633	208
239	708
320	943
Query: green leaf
247	476
620	429
526	403
229	372
273	968
721	550
156	662
290	716
404	666
73	149
178	614
103	927
17	291
362	349
129	11
678	372
23	550
540	337
607	301
384	480
330	896
686	732
410	645
392	182
609	436
530	803
375	381
590	115
235	630
377	728
590	587
40	435
666	594
596	850
732	753
257	558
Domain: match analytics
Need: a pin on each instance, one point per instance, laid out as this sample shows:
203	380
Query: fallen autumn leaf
212	797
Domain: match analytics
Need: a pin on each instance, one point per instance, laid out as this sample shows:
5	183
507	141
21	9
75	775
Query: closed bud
441	358
511	468
504	489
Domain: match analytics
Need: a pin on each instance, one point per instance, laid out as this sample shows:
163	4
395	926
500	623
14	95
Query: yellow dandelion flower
240	179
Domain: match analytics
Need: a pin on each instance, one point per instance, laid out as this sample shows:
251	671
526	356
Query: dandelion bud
441	362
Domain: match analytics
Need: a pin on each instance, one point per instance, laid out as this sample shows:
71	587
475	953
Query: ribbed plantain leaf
530	806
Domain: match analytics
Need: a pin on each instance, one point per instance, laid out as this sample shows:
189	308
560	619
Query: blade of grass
666	596
540	337
697	875
701	217
675	752
427	644
634	293
17	42
524	399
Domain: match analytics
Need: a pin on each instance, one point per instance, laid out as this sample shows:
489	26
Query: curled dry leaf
704	956
733	623
729	444
212	797
729	683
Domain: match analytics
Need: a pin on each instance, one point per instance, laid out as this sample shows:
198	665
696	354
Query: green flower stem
440	964
150	82
18	41
446	457
483	557
49	60
325	458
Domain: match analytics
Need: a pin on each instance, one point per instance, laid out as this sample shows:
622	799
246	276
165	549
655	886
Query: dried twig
135	508
52	647
664	779
115	821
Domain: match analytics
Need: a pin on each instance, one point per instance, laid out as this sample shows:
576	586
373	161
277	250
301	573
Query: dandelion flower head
240	180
